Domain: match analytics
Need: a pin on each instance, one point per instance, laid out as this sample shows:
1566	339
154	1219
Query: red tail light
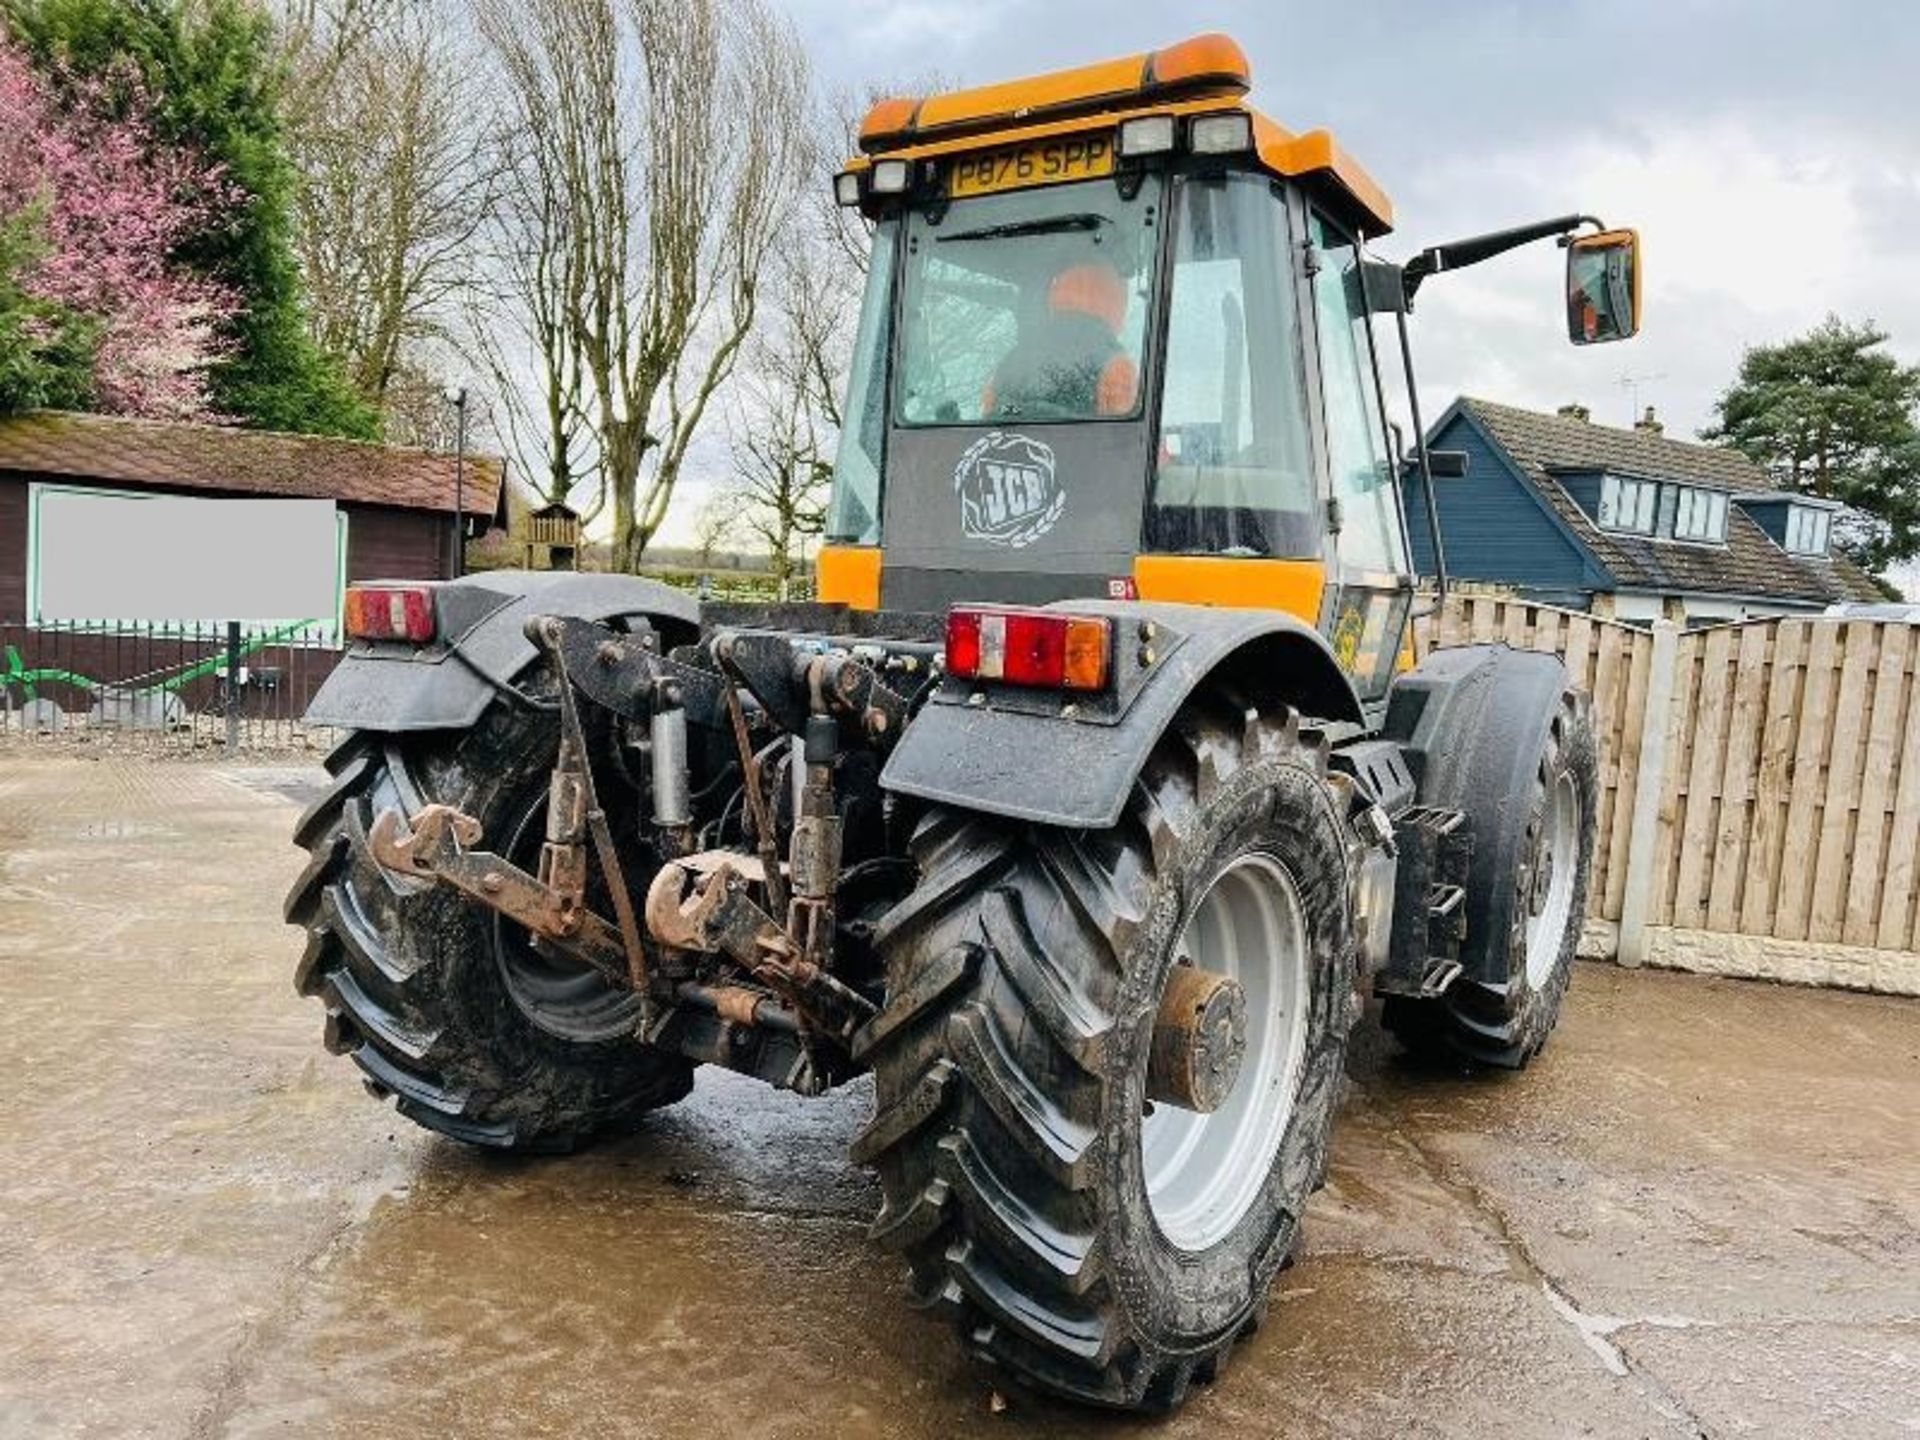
1029	647
390	612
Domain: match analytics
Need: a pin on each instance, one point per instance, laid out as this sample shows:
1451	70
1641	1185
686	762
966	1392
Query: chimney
1648	425
1574	412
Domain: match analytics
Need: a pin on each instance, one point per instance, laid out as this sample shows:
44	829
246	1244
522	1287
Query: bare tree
416	409
786	415
714	527
785	421
382	110
782	476
518	324
658	144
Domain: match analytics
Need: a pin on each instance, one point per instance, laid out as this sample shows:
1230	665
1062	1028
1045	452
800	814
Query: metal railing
207	687
177	688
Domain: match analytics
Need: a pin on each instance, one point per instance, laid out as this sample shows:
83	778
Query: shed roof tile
169	455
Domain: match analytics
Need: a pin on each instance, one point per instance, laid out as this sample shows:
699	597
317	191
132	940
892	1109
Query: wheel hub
557	993
1199	1040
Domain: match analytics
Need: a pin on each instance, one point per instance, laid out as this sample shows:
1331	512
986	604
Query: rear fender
483	648
1008	756
1471	721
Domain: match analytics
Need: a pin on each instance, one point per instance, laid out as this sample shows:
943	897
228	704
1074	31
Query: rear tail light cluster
390	612
1029	647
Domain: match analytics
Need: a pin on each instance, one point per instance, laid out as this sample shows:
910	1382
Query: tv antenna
1631	384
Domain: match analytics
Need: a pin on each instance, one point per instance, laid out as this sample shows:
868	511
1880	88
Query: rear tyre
441	1004
1097	1250
1516	966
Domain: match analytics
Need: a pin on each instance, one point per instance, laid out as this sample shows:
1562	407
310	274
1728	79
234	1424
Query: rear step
1430	903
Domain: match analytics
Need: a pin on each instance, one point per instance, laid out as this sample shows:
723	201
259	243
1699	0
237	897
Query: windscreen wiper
1053	226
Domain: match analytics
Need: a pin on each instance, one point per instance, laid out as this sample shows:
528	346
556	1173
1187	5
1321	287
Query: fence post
1636	905
233	686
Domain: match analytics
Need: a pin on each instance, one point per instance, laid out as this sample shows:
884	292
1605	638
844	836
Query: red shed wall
396	544
382	544
13	547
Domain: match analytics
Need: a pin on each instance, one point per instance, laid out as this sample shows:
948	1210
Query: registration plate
1044	162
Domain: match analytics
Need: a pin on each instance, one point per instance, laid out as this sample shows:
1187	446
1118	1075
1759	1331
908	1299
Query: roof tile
1749	564
248	462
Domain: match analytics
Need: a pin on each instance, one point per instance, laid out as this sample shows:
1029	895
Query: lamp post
457	562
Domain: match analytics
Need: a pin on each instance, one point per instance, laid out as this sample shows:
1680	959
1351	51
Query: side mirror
1603	287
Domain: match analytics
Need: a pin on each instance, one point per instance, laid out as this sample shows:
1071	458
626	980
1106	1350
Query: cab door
1370	578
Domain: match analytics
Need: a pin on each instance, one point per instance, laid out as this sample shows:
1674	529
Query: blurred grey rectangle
101	555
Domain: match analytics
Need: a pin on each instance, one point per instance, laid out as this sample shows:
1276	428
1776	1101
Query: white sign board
107	556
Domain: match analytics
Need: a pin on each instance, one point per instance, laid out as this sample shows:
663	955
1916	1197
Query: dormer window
1699	515
1628	505
1808	530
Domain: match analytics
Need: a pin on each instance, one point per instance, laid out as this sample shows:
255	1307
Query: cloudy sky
1769	154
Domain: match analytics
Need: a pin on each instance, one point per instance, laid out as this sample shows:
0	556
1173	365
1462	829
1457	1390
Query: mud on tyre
1025	973
441	1004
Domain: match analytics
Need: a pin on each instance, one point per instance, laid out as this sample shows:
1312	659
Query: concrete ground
1698	1213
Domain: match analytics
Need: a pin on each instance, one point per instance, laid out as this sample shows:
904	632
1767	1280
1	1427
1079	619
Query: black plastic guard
447	685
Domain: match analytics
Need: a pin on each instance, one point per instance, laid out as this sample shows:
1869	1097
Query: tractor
1087	807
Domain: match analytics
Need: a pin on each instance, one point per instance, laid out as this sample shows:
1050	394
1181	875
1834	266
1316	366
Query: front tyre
1100	1244
443	1005
1531	875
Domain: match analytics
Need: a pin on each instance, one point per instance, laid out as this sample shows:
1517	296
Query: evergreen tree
209	66
1832	414
46	352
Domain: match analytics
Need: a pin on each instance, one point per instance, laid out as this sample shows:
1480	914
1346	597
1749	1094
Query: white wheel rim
1203	1172
1550	908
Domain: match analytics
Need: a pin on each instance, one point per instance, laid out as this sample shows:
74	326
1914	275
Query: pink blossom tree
116	203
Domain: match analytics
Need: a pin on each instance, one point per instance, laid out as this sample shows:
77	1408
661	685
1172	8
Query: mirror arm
1458	254
1423	454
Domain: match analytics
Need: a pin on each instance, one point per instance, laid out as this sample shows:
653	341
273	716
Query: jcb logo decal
1007	489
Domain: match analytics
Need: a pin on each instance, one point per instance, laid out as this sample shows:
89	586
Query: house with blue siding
1625	522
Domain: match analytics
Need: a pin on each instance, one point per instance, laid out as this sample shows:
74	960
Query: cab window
1371	534
1233	473
853	514
1027	307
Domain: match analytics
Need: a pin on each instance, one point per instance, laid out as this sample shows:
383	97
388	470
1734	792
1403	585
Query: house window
1807	530
1700	515
1628	505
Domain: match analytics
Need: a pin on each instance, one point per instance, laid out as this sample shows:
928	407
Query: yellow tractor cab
1117	343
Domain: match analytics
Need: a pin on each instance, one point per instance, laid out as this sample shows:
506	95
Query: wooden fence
1760	778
